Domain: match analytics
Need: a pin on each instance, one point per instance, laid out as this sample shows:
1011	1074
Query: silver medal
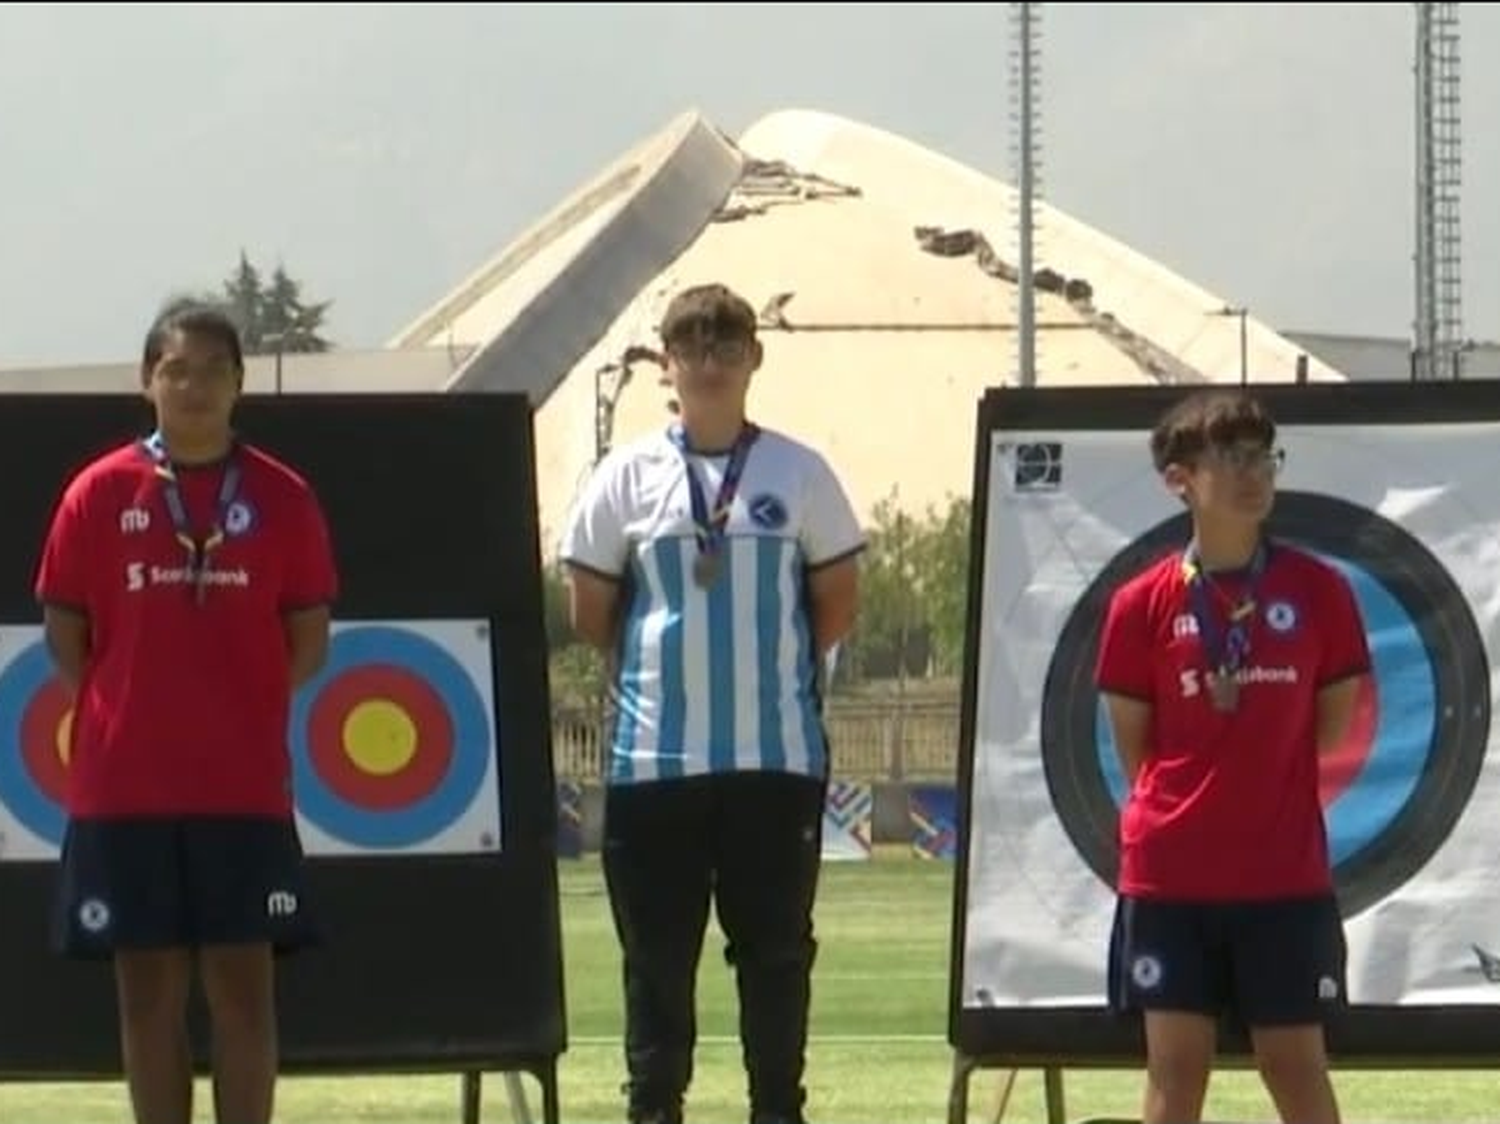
706	570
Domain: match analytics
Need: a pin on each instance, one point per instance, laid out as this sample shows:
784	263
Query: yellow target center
380	737
65	736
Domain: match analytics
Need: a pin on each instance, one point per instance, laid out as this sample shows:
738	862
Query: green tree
246	296
942	549
274	317
892	636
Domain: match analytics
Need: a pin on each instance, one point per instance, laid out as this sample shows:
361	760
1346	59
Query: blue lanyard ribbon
1225	652
708	525
197	549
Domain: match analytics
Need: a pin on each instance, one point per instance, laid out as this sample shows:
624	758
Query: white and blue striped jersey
722	679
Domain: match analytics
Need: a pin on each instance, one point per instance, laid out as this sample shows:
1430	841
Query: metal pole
1026	290
1244	348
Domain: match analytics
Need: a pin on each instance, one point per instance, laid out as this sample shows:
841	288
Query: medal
1225	690
1224	648
197	550
706	570
709	522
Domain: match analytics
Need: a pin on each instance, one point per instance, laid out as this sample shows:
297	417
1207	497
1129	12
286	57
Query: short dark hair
194	316
1208	419
714	310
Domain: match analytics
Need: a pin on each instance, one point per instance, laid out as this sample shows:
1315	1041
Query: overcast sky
382	152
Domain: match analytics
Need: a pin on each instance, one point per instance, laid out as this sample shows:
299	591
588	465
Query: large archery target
35	741
393	743
1412	800
1397	787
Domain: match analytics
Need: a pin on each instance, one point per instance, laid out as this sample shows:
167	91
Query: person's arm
593	606
309	586
67	632
64	582
832	542
1123	677
594	551
1344	662
1130	726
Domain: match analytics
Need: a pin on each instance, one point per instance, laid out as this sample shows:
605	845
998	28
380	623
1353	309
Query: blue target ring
1417	760
368	646
20	684
1404	732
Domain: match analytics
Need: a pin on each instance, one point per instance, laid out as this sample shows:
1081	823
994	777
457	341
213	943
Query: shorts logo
768	512
238	519
1328	988
1281	616
281	903
93	915
1145	973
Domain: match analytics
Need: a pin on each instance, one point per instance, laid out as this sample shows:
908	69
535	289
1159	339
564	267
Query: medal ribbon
197	549
1225	654
708	526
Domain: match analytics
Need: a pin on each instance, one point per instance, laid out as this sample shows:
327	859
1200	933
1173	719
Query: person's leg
1166	962
246	902
151	988
120	898
769	851
658	871
1289	974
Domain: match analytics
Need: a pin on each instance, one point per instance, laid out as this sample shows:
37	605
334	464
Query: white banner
393	744
1411	514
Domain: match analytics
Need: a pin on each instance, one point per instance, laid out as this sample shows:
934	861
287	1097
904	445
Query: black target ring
1410	574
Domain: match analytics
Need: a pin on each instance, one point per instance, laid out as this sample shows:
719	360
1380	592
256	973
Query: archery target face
1405	514
36	719
393	743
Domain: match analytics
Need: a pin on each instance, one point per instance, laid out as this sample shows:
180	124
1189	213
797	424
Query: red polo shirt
183	705
1226	805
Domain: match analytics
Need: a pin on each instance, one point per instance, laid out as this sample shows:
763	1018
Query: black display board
447	961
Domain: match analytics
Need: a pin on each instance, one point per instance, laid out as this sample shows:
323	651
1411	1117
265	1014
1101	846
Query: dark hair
1208	419
193	316
715	311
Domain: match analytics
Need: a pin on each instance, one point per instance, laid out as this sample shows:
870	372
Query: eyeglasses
724	353
1248	458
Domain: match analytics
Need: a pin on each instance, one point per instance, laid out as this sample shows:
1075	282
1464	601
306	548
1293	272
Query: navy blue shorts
1263	963
180	882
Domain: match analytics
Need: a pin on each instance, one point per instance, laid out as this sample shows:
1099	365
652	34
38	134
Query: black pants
752	842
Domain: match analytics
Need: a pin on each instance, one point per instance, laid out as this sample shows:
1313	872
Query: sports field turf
879	1055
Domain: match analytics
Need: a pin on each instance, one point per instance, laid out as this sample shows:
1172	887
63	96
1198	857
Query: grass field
878	1056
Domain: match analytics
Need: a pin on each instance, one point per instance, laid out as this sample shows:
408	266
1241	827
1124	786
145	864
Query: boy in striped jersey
715	563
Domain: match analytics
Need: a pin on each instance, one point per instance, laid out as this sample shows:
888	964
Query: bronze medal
706	570
1225	690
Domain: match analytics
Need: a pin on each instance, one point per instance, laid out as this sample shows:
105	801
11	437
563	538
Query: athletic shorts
1264	963
180	882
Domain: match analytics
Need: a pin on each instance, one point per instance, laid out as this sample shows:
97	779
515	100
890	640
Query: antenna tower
1438	346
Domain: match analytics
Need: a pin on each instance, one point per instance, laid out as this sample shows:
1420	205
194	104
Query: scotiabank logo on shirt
1192	679
138	575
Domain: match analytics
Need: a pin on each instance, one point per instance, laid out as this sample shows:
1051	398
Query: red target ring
44	741
404	699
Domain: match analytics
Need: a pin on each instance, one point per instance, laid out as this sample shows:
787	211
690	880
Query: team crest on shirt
768	512
238	519
1281	616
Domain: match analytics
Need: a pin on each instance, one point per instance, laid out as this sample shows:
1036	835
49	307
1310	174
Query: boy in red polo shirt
186	583
1226	668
